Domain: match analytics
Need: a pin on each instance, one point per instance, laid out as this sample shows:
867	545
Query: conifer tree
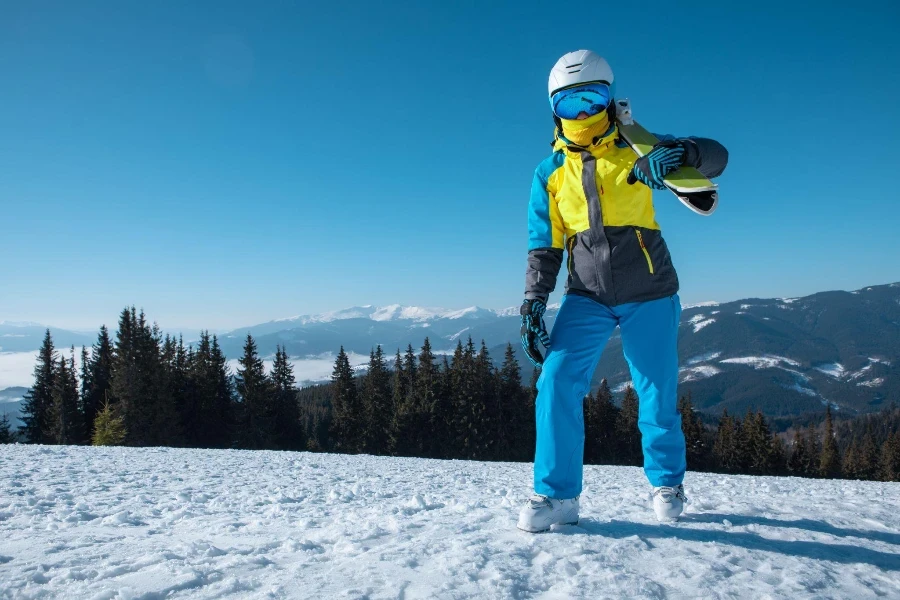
830	458
695	435
255	425
591	430
510	425
485	413
606	414
346	426
813	452
889	461
64	422
798	460
376	404
756	445
850	462
96	382
627	430
6	435
35	411
219	399
867	467
288	435
407	415
726	447
140	384
109	427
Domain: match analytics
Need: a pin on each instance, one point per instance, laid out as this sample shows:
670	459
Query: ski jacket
581	202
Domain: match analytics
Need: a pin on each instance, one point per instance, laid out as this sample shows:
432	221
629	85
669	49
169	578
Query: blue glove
659	162
533	327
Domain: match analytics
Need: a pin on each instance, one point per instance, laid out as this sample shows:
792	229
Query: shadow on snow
839	553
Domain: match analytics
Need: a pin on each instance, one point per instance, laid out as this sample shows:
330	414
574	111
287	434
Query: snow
872	382
456	335
397	312
767	361
789	300
699	304
703	358
177	523
700	321
835	370
622	387
696	373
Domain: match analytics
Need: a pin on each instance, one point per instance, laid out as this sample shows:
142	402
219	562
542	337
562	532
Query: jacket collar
598	148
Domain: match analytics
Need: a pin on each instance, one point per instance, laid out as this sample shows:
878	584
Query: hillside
173	523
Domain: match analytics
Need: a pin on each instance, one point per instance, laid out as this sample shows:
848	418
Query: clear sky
226	163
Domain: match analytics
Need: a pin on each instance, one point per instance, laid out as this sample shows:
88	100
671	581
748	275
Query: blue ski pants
583	326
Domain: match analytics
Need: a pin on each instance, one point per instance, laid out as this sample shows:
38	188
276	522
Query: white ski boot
668	502
540	512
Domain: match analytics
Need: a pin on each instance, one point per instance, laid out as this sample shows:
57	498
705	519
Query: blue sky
224	163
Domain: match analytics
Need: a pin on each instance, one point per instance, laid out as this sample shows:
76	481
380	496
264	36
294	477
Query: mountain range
786	356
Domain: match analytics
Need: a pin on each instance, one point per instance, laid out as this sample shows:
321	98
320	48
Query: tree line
146	389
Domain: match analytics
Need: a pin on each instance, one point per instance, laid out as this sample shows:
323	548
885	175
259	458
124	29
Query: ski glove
533	327
659	162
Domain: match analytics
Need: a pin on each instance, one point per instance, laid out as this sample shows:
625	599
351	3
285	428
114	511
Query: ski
687	183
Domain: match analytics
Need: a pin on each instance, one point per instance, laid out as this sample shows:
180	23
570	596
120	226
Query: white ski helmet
577	67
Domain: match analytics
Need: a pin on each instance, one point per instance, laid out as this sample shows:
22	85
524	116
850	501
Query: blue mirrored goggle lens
590	98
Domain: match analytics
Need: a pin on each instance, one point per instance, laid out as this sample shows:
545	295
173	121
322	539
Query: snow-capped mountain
785	356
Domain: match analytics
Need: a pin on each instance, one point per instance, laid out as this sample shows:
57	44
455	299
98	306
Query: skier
593	198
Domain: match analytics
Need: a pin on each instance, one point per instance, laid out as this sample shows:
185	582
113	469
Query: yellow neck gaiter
583	132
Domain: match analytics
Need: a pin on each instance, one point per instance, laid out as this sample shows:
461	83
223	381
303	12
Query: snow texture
835	370
698	372
700	321
762	362
703	358
175	523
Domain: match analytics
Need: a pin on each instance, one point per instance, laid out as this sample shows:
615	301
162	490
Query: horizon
196	329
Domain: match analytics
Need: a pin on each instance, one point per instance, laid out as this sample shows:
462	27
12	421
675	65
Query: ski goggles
591	98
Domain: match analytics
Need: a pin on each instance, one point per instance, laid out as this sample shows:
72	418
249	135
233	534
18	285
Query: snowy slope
174	523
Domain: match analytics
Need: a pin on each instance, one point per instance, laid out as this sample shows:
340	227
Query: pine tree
627	430
485	413
407	416
798	460
813	452
256	425
850	462
109	427
6	435
288	435
376	404
140	385
346	426
64	421
695	436
756	445
36	405
830	458
726	447
868	457
96	381
606	414
512	415
889	462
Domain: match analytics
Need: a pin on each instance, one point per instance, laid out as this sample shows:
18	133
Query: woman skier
593	198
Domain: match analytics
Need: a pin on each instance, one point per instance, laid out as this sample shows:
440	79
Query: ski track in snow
104	523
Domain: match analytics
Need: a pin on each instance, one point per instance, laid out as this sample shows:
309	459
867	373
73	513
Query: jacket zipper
644	249
570	245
